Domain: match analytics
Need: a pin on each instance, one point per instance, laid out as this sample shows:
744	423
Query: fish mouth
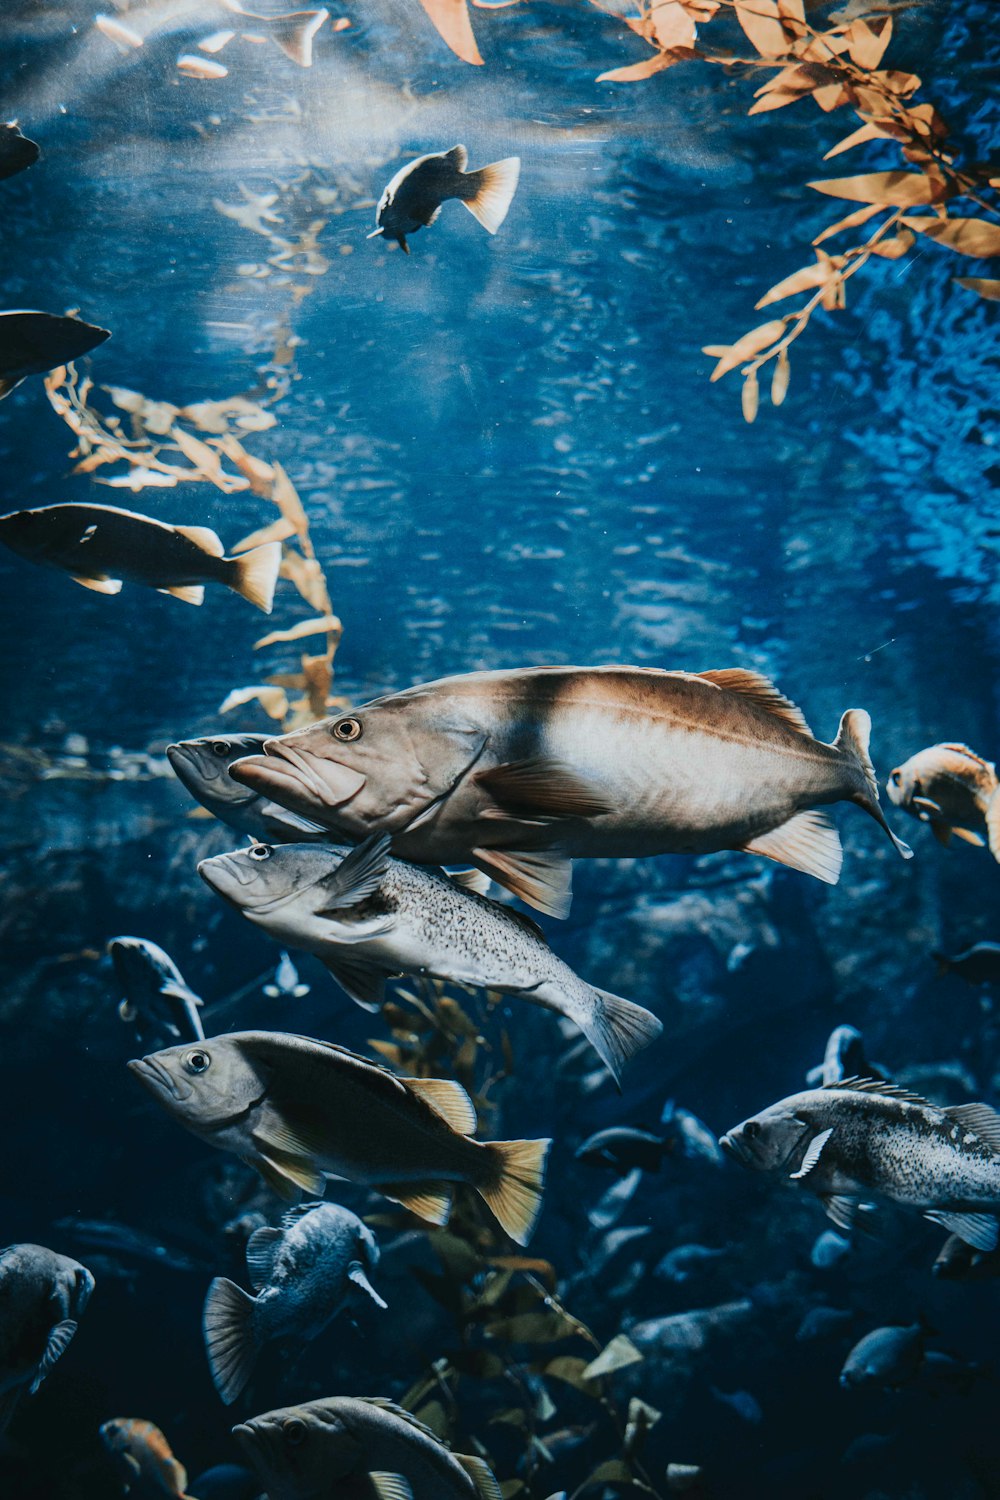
245	1435
281	768
155	1077
734	1145
194	772
222	869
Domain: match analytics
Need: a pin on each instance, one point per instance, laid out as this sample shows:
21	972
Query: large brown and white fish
850	1141
414	197
369	918
100	545
350	1445
520	771
300	1111
949	786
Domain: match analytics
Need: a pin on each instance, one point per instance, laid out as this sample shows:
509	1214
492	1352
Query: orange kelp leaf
259	474
867	41
761	20
271	699
898	188
968	236
860	216
451	18
780	378
745	348
278	531
793	11
307	576
286	498
982	286
207	461
569	1368
897	245
869	132
321	626
750	397
800	281
657	63
671	25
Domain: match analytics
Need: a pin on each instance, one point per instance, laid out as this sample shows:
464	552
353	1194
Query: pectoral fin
812	1156
481	1475
981	1231
926	805
364	984
846	1212
391	1486
968	837
808	842
357	877
542	878
58	1342
284	1175
356	1273
99	585
541	788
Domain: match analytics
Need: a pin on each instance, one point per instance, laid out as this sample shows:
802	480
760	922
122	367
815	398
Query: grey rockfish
202	767
43	1296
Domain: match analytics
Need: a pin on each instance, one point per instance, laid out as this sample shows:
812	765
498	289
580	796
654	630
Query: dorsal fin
447	1099
203	537
879	1086
960	749
761	691
983	1121
384	1404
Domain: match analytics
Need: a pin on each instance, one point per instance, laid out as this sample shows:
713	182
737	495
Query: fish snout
157	1079
733	1145
225	871
327	781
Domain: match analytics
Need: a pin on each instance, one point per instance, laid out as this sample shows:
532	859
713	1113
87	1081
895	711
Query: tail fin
256	573
491	190
515	1197
993	824
230	1344
852	741
618	1029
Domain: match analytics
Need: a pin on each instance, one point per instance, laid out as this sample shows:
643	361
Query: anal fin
193	593
808	842
99	585
542	878
364	984
430	1201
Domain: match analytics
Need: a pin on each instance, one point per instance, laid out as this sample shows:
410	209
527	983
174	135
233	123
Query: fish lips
229	876
158	1080
282	769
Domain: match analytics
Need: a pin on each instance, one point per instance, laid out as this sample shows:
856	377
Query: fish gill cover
519	446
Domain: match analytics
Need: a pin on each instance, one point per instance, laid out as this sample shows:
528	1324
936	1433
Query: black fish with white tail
414	197
155	998
202	767
520	771
43	1296
358	1446
17	152
32	343
859	1140
301	1111
303	1274
369	918
101	546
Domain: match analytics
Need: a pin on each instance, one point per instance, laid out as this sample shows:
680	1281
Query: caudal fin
230	1344
255	574
618	1029
852	741
515	1195
489	192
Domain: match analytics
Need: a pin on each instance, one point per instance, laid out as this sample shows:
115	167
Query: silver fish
861	1138
100	545
32	343
886	1357
202	766
521	771
320	1447
303	1275
43	1296
950	787
414	197
300	1111
368	917
156	999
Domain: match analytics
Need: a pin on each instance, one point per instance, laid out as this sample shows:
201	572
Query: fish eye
347	729
197	1062
896	777
294	1430
220	747
751	1130
260	851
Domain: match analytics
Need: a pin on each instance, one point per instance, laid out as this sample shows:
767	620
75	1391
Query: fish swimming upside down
521	771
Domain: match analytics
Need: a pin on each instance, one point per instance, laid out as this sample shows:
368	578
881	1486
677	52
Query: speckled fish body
952	788
850	1141
301	1111
367	917
202	767
308	1450
43	1295
102	545
576	762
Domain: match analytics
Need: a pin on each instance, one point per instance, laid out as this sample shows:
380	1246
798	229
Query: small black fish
977	965
623	1148
99	545
156	999
17	152
414	197
32	343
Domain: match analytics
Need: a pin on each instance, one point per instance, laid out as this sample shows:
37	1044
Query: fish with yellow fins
102	545
300	1111
521	771
414	197
950	787
145	1456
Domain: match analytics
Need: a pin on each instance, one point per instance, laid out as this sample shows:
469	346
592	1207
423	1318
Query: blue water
510	454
